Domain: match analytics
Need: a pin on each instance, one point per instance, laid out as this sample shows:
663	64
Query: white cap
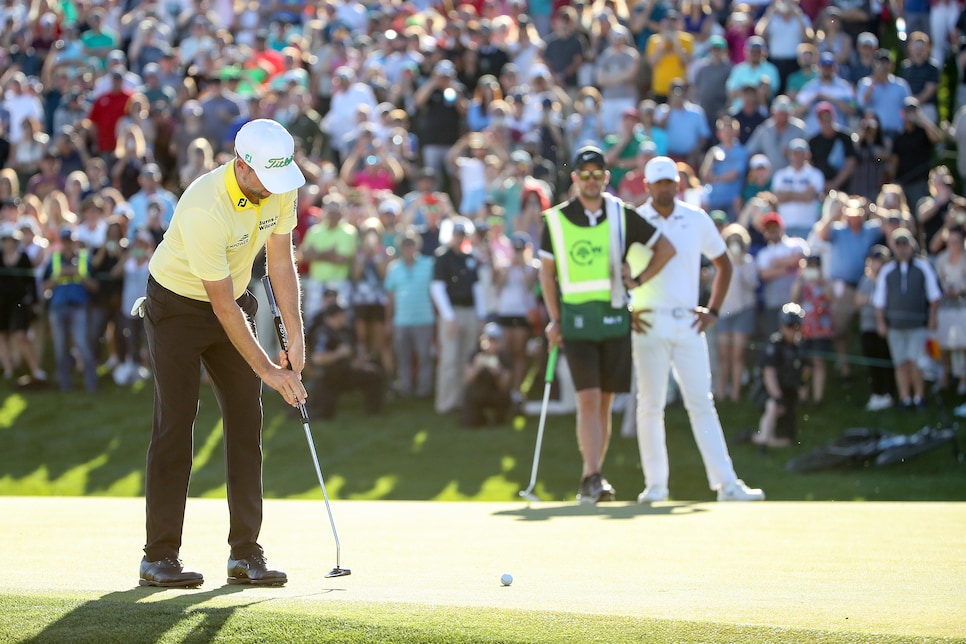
659	169
269	150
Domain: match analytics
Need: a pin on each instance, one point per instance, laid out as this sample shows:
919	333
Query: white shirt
799	214
693	234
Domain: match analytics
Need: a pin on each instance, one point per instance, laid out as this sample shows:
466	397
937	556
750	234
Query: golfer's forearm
239	332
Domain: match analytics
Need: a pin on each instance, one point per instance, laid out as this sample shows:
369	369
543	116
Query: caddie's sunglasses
584	175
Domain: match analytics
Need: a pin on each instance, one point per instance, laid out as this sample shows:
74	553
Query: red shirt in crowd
105	113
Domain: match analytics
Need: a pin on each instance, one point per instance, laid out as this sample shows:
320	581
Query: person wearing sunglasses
584	281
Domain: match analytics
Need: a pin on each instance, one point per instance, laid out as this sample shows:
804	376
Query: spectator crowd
434	135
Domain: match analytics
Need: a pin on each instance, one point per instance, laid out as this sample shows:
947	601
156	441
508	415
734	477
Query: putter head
339	572
529	496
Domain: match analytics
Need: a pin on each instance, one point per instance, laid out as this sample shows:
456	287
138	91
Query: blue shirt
847	259
685	128
886	101
409	286
723	194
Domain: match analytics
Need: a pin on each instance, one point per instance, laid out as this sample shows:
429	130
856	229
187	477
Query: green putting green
723	572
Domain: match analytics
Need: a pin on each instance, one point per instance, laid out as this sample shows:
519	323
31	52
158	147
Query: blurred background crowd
434	134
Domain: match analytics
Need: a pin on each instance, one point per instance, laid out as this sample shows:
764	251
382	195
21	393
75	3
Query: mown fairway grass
76	445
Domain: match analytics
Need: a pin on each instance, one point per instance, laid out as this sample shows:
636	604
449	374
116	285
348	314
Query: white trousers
454	356
672	344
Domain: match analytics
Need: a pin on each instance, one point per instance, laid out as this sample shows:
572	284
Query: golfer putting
199	313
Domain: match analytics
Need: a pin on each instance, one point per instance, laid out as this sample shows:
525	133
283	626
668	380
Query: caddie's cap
589	154
660	169
269	150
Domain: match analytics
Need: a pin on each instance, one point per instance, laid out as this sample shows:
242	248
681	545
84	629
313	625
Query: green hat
719	217
717	41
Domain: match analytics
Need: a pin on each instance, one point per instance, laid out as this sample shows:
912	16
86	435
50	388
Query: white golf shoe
738	491
653	494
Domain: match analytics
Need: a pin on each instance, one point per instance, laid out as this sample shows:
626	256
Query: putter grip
276	315
551	364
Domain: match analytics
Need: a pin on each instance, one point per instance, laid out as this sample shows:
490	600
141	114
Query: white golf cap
659	169
269	149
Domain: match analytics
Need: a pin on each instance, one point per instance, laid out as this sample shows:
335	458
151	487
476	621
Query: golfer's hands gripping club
290	371
286	377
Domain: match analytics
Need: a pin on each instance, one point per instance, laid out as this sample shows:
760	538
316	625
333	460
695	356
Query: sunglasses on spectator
585	175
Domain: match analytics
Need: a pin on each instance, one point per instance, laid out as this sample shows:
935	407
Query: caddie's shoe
653	494
168	573
591	489
738	491
254	570
607	491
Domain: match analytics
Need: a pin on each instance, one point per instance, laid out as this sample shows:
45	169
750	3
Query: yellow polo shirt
216	233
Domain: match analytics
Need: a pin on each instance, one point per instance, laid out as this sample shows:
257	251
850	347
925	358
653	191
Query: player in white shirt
669	334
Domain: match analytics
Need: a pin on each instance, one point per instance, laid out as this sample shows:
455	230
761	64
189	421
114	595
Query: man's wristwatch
711	311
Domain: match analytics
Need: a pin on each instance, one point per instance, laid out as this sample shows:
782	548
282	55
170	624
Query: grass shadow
150	620
624	512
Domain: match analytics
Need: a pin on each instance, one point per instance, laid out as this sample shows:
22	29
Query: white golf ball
506	579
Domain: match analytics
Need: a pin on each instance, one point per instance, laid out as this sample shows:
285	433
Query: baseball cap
781	104
67	233
798	145
521	157
867	38
719	217
589	154
772	218
827	58
390	207
520	240
879	252
902	234
269	150
647	147
910	102
755	42
759	161
151	170
882	54
824	106
492	330
151	69
445	68
718	42
791	314
462	226
660	169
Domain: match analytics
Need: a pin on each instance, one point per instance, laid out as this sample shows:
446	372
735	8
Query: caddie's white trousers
672	344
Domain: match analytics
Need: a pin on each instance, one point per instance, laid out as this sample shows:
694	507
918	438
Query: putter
548	379
338	571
